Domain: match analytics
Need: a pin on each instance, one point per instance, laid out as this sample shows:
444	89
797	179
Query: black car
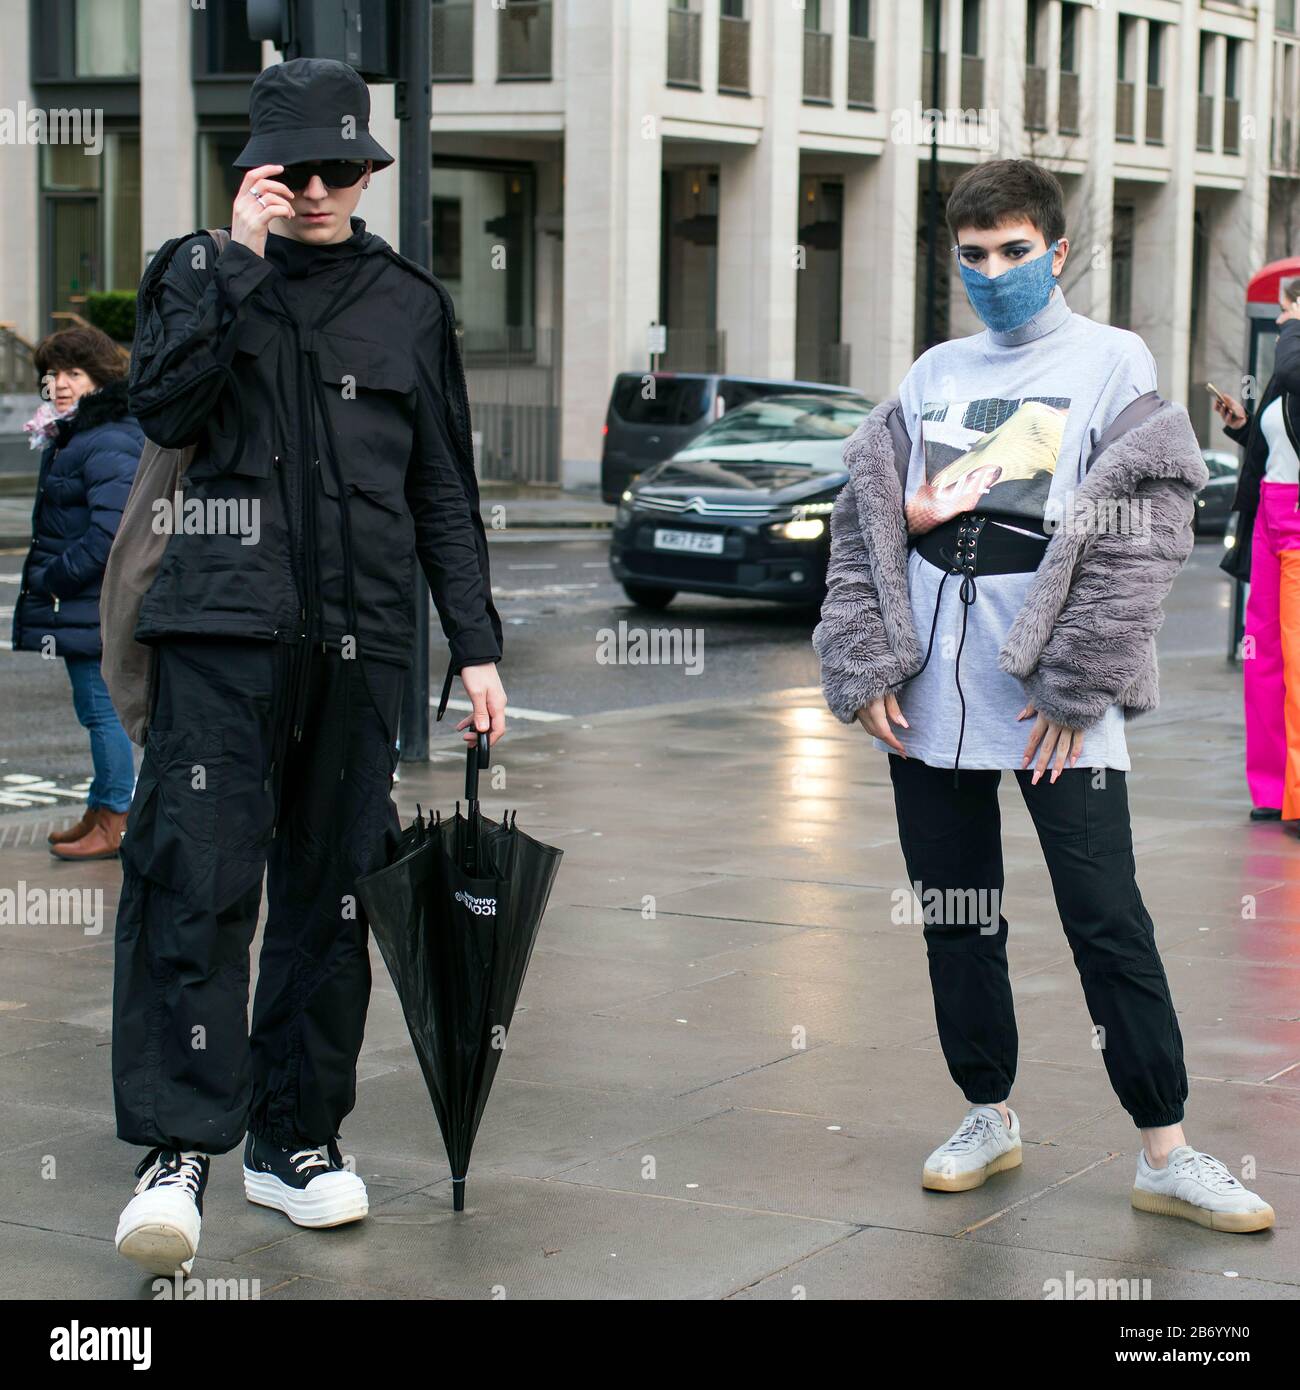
745	510
652	415
1214	501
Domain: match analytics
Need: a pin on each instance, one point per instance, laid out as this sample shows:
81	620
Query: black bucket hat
309	109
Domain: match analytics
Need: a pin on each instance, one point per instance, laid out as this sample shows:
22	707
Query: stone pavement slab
724	1073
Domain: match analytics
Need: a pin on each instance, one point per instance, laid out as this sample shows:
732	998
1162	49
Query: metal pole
932	196
414	109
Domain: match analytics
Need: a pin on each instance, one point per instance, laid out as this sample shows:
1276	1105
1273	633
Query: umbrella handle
476	757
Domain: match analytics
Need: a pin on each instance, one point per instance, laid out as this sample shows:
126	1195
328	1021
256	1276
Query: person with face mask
999	556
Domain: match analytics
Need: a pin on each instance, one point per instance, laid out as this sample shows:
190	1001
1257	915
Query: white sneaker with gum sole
1199	1188
984	1144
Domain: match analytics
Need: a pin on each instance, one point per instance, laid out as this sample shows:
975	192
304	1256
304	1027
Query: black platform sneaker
309	1184
159	1226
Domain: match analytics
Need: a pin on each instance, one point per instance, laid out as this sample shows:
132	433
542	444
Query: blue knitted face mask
1011	299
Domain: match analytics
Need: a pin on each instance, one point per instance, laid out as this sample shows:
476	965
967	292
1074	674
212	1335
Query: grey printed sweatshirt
1077	636
1003	424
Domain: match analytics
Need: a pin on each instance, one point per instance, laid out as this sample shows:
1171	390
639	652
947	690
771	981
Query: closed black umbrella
456	914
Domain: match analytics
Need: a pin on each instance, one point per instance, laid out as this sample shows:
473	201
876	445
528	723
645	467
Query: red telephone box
1263	305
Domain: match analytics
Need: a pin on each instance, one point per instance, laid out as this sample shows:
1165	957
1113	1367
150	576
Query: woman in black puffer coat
87	467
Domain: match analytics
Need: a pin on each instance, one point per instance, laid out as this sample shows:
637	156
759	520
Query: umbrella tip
458	1194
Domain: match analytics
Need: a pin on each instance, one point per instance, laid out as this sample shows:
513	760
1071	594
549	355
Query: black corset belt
970	545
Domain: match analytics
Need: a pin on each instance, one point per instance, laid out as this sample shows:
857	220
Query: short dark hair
1292	290
990	195
83	346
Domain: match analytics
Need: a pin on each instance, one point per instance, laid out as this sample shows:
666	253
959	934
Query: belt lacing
963	563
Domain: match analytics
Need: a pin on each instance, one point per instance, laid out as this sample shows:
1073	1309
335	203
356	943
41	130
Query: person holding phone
1267	553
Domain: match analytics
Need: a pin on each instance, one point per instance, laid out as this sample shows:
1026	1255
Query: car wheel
644	596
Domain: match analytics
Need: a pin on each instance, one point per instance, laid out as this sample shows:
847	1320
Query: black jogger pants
223	795
952	842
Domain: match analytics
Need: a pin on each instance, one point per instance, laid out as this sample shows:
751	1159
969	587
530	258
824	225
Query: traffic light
361	33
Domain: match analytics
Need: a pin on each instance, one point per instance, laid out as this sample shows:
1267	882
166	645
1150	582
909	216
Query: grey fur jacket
1085	637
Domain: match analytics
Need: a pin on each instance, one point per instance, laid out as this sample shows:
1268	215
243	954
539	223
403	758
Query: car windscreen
785	419
659	400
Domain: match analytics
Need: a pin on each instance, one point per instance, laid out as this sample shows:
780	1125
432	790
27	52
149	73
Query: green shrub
113	311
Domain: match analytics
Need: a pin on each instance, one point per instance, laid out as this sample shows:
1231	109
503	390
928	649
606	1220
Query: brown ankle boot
102	841
75	832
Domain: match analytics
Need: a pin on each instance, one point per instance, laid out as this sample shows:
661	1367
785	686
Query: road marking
533	567
544	591
512	711
25	790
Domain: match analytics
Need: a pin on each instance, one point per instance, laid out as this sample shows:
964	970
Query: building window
1035	18
85	39
733	47
107	38
1126	85
820	355
90	220
932	10
1205	80
448	252
218	179
1124	65
816	55
862	56
1121	270
1067	116
970	27
1155	54
1206	67
222	46
972	62
684	43
453	40
524	41
1069	38
1232	97
483	250
1155	131
1035	66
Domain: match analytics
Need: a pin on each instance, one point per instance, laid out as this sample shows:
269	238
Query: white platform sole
160	1236
325	1201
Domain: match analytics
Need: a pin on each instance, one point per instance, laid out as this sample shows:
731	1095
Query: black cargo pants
952	843
223	795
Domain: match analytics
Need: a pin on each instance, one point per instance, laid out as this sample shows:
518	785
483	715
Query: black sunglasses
334	173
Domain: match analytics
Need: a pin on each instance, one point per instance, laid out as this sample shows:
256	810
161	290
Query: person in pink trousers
1267	553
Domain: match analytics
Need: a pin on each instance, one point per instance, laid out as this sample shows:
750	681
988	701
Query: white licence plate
697	542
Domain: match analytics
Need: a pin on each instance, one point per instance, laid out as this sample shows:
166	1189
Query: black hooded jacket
323	388
1284	381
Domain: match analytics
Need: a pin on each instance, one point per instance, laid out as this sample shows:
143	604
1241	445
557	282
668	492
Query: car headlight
800	529
806	524
623	513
